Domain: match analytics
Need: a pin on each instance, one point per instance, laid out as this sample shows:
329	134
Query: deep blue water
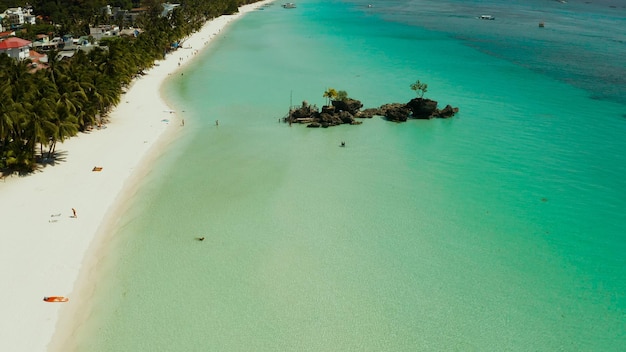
583	43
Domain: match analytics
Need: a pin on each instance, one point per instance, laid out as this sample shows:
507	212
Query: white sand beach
43	247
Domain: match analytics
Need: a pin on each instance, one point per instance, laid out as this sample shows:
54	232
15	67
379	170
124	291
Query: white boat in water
486	17
289	5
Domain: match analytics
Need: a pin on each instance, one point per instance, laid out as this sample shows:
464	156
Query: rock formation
347	110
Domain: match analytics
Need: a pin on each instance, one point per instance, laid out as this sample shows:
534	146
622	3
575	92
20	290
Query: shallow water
499	229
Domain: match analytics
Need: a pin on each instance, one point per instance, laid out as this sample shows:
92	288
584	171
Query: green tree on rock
419	88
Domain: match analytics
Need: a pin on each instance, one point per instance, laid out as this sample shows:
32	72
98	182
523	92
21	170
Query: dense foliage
5	4
419	88
40	108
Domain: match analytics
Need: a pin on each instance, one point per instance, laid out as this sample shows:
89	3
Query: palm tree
16	79
37	126
66	126
7	107
55	67
44	95
106	94
17	92
8	120
330	94
80	86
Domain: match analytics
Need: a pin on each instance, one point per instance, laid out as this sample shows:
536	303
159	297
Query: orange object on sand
56	299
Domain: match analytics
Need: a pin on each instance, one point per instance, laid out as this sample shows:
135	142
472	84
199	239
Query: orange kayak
56	299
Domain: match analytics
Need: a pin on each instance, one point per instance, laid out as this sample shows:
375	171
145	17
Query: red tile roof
35	58
7	34
13	43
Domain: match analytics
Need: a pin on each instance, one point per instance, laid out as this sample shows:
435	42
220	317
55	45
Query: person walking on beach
74	212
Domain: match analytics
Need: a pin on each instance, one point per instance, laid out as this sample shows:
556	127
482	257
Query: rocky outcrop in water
339	113
351	106
346	111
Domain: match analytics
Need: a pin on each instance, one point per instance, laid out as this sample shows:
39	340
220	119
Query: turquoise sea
501	229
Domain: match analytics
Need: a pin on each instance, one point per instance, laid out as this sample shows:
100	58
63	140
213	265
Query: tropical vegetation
342	95
39	108
330	94
419	88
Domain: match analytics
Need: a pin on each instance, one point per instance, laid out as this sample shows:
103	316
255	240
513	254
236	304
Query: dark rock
395	112
328	109
345	111
305	111
346	117
422	108
350	105
368	113
330	119
447	112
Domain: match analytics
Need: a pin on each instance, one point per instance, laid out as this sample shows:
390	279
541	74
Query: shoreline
44	250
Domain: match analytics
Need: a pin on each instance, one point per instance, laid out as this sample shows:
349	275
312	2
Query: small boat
56	299
541	25
487	17
289	5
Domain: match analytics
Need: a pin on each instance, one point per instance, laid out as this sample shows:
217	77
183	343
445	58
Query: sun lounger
56	299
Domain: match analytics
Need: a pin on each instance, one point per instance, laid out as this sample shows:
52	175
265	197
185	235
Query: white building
16	48
104	31
19	16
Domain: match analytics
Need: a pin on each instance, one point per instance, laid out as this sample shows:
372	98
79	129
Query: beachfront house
42	38
131	32
68	45
43	43
127	17
16	48
103	31
17	16
116	13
